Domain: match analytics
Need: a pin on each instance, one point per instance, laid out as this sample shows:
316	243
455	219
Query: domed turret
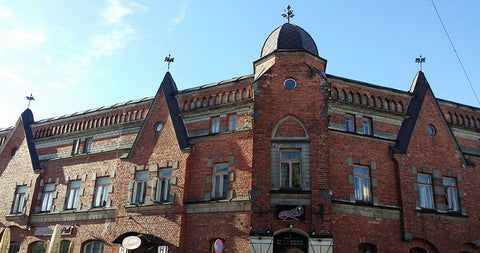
289	37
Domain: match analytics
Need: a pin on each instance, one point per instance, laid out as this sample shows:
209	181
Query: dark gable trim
27	120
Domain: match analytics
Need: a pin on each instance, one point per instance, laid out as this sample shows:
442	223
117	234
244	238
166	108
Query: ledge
372	211
73	215
145	207
430	213
16	216
291	197
219	206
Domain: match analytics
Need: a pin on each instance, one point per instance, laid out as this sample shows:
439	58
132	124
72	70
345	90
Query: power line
454	50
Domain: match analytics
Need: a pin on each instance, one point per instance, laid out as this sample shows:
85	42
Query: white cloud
107	44
22	39
178	19
5	13
115	11
9	77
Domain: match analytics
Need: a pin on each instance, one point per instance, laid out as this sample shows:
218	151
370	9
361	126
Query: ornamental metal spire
169	60
288	13
420	60
30	99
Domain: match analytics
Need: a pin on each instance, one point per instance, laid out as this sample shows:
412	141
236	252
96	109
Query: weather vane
420	60
288	13
169	60
30	99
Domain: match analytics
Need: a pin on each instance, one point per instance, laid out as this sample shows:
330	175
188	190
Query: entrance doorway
290	242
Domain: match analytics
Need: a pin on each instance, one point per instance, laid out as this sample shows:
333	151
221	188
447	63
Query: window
349	123
87	145
14	247
93	247
232	122
367	248
101	192
425	191
64	245
19	201
76	147
163	185
362	183
367	126
38	247
290	84
47	200
140	187
450	194
290	169
73	194
215	125
220	184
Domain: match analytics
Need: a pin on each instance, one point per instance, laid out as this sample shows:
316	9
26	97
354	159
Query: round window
290	84
158	126
431	130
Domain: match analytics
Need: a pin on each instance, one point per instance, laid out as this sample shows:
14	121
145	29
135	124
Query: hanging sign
131	242
290	213
218	246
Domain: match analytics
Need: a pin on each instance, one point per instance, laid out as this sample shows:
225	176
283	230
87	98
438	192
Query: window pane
103	180
50	187
366	189
295	175
290	155
358	188
360	170
142	175
221	168
225	185
168	172
448	182
285	176
428	191
22	189
423	179
421	190
75	184
217	186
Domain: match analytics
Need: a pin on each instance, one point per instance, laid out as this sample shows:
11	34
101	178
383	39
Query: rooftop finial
30	99
288	13
169	60
420	60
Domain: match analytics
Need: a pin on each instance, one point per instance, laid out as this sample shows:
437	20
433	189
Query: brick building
287	159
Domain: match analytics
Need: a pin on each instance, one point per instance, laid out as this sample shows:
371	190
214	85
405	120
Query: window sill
433	213
130	207
71	215
14	216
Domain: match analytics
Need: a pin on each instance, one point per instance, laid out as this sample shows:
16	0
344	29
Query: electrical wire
454	50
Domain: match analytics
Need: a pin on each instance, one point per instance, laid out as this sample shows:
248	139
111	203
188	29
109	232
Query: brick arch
335	94
357	98
371	101
290	126
364	100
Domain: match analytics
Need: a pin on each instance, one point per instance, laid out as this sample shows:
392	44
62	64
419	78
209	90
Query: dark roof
289	37
27	120
169	89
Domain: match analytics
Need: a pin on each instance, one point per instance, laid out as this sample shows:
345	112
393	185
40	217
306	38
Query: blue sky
77	55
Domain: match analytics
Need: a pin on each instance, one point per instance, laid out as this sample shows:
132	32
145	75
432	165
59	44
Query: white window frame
451	197
93	247
367	126
215	125
88	145
73	194
140	187
232	122
220	181
47	198
76	147
101	192
361	182
164	183
290	162
19	201
350	123
425	191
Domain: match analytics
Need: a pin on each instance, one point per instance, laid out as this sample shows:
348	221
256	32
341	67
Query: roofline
235	79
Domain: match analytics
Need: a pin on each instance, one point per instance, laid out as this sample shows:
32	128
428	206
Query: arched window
93	247
199	103
245	94
14	247
367	248
372	101
364	100
418	250
224	98
342	95
38	247
350	97
335	94
399	107
217	100
64	245
357	98
379	102
212	101
385	104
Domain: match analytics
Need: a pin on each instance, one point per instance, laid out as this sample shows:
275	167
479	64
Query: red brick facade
328	165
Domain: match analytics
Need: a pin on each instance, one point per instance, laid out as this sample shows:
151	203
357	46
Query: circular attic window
158	126
290	84
431	130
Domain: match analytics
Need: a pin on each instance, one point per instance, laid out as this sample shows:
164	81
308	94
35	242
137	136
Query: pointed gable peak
168	85
420	84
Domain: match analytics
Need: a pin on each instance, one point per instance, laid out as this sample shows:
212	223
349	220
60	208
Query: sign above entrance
290	213
131	242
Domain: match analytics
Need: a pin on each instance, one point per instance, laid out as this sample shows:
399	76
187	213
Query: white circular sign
131	242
